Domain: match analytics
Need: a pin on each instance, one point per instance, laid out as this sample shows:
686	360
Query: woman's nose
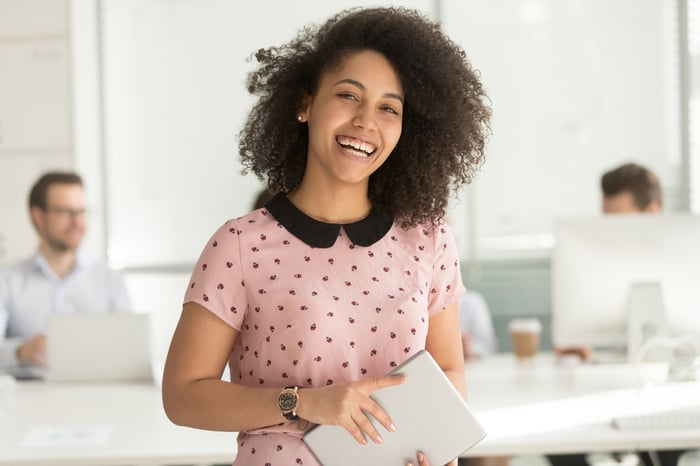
363	118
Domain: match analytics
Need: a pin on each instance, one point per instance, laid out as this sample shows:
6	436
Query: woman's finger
371	408
363	422
378	383
355	430
422	460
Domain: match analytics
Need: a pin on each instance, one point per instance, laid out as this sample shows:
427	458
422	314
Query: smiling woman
350	269
354	123
439	99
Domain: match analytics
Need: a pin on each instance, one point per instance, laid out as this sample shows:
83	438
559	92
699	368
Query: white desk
537	407
139	431
527	408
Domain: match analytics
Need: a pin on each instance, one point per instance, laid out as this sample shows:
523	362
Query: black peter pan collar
319	234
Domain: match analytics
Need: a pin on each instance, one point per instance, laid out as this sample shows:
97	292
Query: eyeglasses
65	213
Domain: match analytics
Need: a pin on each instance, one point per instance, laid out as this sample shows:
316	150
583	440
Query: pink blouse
312	316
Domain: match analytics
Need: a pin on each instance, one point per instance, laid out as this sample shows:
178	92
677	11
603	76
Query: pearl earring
300	118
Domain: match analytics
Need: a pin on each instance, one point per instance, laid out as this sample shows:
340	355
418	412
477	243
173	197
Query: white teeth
359	153
362	146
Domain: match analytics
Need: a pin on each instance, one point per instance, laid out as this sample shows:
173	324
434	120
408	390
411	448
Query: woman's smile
356	147
354	119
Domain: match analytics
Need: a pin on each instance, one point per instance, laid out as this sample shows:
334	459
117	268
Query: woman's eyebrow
361	86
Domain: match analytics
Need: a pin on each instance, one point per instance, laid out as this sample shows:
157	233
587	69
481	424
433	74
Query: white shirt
475	319
30	291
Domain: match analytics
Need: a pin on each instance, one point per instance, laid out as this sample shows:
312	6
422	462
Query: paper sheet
59	436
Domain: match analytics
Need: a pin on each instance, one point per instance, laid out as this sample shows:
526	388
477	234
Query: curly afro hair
445	116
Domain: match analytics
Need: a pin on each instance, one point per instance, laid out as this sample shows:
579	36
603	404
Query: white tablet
428	412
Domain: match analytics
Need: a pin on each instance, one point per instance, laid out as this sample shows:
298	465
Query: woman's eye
347	96
391	110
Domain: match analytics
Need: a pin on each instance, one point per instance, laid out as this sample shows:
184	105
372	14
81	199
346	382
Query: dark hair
445	117
638	180
38	193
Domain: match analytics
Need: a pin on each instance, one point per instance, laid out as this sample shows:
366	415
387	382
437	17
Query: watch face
287	400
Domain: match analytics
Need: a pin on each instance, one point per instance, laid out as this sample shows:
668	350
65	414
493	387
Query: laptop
98	347
429	414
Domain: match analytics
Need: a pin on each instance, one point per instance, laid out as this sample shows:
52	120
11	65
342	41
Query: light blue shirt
475	319
30	291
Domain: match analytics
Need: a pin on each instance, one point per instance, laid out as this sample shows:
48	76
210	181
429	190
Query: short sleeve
446	286
217	279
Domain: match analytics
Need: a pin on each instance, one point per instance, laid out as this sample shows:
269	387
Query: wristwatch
288	401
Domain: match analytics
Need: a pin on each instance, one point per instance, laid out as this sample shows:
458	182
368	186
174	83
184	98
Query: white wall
577	88
35	110
175	99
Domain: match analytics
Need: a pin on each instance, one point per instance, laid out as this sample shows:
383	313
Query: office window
693	79
577	88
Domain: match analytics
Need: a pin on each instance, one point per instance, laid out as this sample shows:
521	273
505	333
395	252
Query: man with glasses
57	278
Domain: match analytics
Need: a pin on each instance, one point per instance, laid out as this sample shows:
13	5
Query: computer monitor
597	260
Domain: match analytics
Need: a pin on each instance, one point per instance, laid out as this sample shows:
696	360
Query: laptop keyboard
687	418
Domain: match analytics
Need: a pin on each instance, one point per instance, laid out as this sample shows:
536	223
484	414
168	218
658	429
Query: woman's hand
423	461
349	406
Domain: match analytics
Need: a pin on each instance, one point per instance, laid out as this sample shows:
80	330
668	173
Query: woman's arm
444	343
194	394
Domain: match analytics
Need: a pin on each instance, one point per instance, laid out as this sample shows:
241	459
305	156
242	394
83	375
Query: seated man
630	188
478	336
57	278
627	189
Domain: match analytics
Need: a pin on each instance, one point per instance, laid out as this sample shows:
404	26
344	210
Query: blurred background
144	98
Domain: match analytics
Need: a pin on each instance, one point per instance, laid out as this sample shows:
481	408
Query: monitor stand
609	355
646	318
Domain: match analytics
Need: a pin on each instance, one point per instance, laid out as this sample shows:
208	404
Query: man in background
57	278
627	189
478	335
630	188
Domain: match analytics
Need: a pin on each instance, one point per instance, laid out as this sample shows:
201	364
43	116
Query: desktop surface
100	424
534	406
539	406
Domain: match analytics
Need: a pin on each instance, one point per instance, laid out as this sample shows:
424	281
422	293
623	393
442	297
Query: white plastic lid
525	325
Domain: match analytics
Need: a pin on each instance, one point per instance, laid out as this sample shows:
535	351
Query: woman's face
354	119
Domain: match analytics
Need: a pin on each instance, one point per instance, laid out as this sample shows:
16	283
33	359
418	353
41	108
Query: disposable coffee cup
525	336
